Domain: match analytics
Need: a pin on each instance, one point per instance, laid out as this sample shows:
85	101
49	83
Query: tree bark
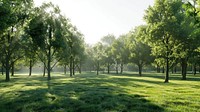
2	70
167	61
199	68
163	69
158	69
122	67
13	68
8	60
184	68
73	67
7	69
140	69
80	67
108	67
49	65
30	67
167	71
49	55
98	68
70	66
175	69
117	68
195	69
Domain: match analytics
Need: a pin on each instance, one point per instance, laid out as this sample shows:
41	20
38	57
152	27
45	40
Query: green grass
104	93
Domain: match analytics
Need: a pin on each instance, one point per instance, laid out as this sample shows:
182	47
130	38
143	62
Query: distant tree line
170	38
29	34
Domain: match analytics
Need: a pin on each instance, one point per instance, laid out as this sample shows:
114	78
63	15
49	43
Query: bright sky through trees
97	18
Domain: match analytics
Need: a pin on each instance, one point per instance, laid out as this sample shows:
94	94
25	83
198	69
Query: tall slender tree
46	32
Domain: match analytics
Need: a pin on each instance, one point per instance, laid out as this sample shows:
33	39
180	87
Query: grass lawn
104	93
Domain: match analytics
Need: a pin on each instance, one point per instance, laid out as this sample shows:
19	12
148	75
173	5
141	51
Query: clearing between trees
88	92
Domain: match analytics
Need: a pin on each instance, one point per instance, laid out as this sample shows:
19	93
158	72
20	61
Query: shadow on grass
190	77
77	95
133	78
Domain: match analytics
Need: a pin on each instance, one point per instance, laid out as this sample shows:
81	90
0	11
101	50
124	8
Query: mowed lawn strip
88	92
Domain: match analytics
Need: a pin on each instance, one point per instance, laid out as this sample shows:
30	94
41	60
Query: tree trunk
199	68
167	61
184	68
49	65
70	66
158	69
13	68
163	69
167	71
195	69
80	68
30	67
172	70
73	67
65	69
117	68
140	69
7	69
175	69
98	68
122	67
44	70
2	70
49	55
8	56
108	67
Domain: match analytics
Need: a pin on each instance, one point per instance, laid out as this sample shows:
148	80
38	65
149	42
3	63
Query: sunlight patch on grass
88	92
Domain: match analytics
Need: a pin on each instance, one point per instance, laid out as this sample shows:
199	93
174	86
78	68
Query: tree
164	20
116	54
30	52
120	52
90	61
77	51
192	10
76	45
107	42
65	52
46	32
98	55
15	14
140	53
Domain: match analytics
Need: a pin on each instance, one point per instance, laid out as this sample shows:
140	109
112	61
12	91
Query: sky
98	18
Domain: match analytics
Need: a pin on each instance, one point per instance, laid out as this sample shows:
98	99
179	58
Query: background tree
89	61
15	14
116	54
139	52
107	42
30	52
98	55
192	10
76	49
120	52
78	52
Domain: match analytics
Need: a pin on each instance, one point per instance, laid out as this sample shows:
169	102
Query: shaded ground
91	93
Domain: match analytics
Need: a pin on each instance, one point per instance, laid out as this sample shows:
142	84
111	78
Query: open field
104	93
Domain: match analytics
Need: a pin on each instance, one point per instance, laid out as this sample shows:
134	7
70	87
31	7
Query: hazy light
97	18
